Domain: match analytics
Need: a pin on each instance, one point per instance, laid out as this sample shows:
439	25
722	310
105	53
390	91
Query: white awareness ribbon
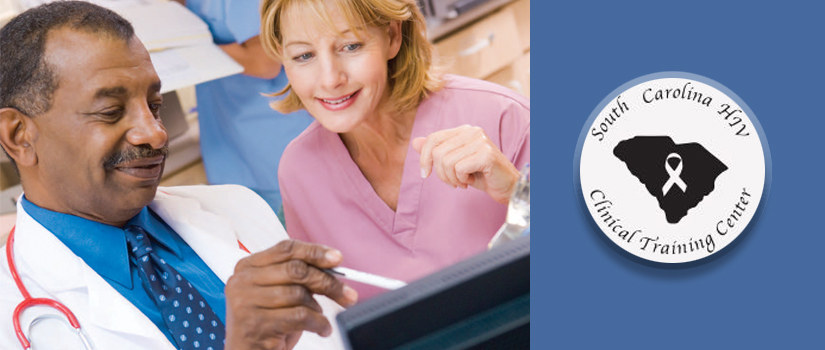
674	178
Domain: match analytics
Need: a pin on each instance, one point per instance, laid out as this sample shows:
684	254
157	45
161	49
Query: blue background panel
765	291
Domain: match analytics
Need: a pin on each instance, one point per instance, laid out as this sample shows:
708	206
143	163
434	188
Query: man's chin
136	199
116	207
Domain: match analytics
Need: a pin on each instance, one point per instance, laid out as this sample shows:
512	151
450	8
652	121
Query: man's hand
464	156
269	297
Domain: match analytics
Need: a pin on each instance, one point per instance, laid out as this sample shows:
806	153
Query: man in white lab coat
79	103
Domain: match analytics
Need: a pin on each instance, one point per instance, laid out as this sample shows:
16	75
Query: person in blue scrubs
241	137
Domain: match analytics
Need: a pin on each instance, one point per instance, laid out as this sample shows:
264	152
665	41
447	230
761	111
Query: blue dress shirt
103	248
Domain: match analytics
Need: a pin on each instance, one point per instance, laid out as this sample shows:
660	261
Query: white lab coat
211	219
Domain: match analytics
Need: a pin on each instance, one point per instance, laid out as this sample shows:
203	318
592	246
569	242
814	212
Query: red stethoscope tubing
29	301
27	298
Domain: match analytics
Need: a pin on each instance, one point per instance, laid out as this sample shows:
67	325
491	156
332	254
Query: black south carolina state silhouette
679	176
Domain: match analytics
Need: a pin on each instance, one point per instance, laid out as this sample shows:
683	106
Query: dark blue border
767	291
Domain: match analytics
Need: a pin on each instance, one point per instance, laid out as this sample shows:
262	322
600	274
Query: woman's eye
302	57
352	47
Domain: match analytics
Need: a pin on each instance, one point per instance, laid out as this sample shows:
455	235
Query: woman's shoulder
457	88
464	100
305	147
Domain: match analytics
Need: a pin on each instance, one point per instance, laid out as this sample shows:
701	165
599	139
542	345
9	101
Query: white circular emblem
672	167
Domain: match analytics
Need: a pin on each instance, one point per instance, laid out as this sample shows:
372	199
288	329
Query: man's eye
112	114
155	108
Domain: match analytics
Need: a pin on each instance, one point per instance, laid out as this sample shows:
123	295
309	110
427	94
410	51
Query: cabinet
495	47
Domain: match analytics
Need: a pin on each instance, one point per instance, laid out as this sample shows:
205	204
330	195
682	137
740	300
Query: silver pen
366	278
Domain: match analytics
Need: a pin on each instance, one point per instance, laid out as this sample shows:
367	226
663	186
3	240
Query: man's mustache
133	153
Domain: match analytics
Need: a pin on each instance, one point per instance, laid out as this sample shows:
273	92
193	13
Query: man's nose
147	130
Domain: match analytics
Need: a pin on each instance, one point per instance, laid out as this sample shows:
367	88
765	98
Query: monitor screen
479	303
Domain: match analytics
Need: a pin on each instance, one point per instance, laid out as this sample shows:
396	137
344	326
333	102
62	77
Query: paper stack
164	25
178	41
8	9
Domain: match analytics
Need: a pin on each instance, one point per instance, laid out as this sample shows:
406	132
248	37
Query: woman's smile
339	103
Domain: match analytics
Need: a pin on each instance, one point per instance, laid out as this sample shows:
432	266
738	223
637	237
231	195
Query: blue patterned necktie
191	321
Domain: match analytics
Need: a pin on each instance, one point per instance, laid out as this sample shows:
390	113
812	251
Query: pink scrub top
328	200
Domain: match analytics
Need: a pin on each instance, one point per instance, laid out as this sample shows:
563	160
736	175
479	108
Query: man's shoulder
204	192
233	207
10	297
219	199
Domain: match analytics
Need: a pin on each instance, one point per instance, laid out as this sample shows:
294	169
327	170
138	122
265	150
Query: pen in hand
366	278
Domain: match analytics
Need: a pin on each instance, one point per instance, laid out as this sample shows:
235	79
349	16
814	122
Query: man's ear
394	32
17	134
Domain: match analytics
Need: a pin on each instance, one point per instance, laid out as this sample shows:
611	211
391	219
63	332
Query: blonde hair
411	73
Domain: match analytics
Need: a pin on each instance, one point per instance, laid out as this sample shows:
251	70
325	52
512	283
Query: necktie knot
138	241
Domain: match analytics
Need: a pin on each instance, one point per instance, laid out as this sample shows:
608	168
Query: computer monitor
480	303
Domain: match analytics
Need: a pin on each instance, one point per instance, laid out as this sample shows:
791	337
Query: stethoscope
28	301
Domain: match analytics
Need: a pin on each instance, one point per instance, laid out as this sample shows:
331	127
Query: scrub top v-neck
328	200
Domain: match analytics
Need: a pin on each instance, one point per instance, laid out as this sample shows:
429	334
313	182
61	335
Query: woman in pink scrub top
404	170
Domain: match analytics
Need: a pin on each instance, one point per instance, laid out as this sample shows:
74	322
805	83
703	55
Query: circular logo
672	167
